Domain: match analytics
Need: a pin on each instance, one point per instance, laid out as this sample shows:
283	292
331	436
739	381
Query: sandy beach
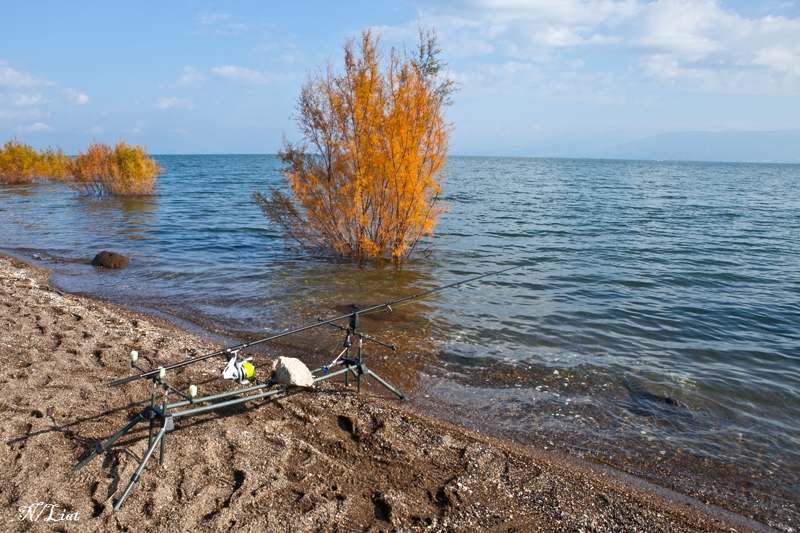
324	459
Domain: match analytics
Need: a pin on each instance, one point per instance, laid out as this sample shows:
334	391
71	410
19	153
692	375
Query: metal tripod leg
101	449
164	438
360	360
358	367
386	384
138	473
152	421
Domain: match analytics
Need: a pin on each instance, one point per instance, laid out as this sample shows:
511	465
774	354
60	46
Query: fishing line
160	418
233	350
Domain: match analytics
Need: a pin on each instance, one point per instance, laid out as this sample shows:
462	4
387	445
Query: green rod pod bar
109	442
138	473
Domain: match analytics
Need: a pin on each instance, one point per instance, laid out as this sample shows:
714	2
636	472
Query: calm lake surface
655	325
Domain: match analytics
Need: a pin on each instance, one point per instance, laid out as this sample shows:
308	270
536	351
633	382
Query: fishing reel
240	371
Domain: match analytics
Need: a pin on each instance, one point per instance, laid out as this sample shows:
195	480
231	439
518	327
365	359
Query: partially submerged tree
53	164
122	171
364	180
19	163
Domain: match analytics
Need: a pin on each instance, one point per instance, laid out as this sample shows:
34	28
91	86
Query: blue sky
537	77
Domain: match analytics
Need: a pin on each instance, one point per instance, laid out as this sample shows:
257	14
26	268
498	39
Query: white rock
291	371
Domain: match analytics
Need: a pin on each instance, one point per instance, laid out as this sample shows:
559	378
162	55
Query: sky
536	77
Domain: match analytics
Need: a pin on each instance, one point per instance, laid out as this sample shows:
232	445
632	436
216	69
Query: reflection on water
18	189
130	218
655	326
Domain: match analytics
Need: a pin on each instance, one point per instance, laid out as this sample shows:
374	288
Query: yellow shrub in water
365	181
18	163
88	168
53	164
123	171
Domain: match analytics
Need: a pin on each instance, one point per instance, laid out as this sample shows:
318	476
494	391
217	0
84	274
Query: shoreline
321	460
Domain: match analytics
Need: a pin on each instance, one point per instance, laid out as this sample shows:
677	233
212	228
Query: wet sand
326	459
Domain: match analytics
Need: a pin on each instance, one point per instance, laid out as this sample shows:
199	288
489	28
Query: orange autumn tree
124	170
364	181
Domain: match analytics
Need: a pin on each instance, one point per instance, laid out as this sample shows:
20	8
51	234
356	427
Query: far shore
322	459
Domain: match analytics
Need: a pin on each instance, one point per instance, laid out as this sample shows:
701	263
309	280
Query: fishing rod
232	351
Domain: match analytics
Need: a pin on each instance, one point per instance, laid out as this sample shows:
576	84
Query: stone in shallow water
645	403
110	260
291	371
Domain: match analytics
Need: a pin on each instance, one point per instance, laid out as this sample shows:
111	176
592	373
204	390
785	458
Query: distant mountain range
732	146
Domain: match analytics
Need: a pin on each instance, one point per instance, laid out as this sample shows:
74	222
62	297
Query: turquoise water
655	325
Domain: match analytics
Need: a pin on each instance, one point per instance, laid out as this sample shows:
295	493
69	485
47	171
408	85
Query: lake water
654	325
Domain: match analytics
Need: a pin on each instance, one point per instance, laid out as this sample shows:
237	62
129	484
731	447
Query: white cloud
490	77
568	13
281	52
37	127
523	29
246	76
189	76
16	79
21	114
239	75
78	98
213	18
225	25
27	100
779	58
689	29
171	102
699	45
528	80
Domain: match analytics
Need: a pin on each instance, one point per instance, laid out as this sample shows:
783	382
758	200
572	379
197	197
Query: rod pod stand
162	418
155	415
357	366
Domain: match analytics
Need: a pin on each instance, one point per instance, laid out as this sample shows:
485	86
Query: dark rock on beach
110	260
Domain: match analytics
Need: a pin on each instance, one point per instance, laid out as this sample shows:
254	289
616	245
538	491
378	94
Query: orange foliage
123	171
18	163
53	164
363	183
